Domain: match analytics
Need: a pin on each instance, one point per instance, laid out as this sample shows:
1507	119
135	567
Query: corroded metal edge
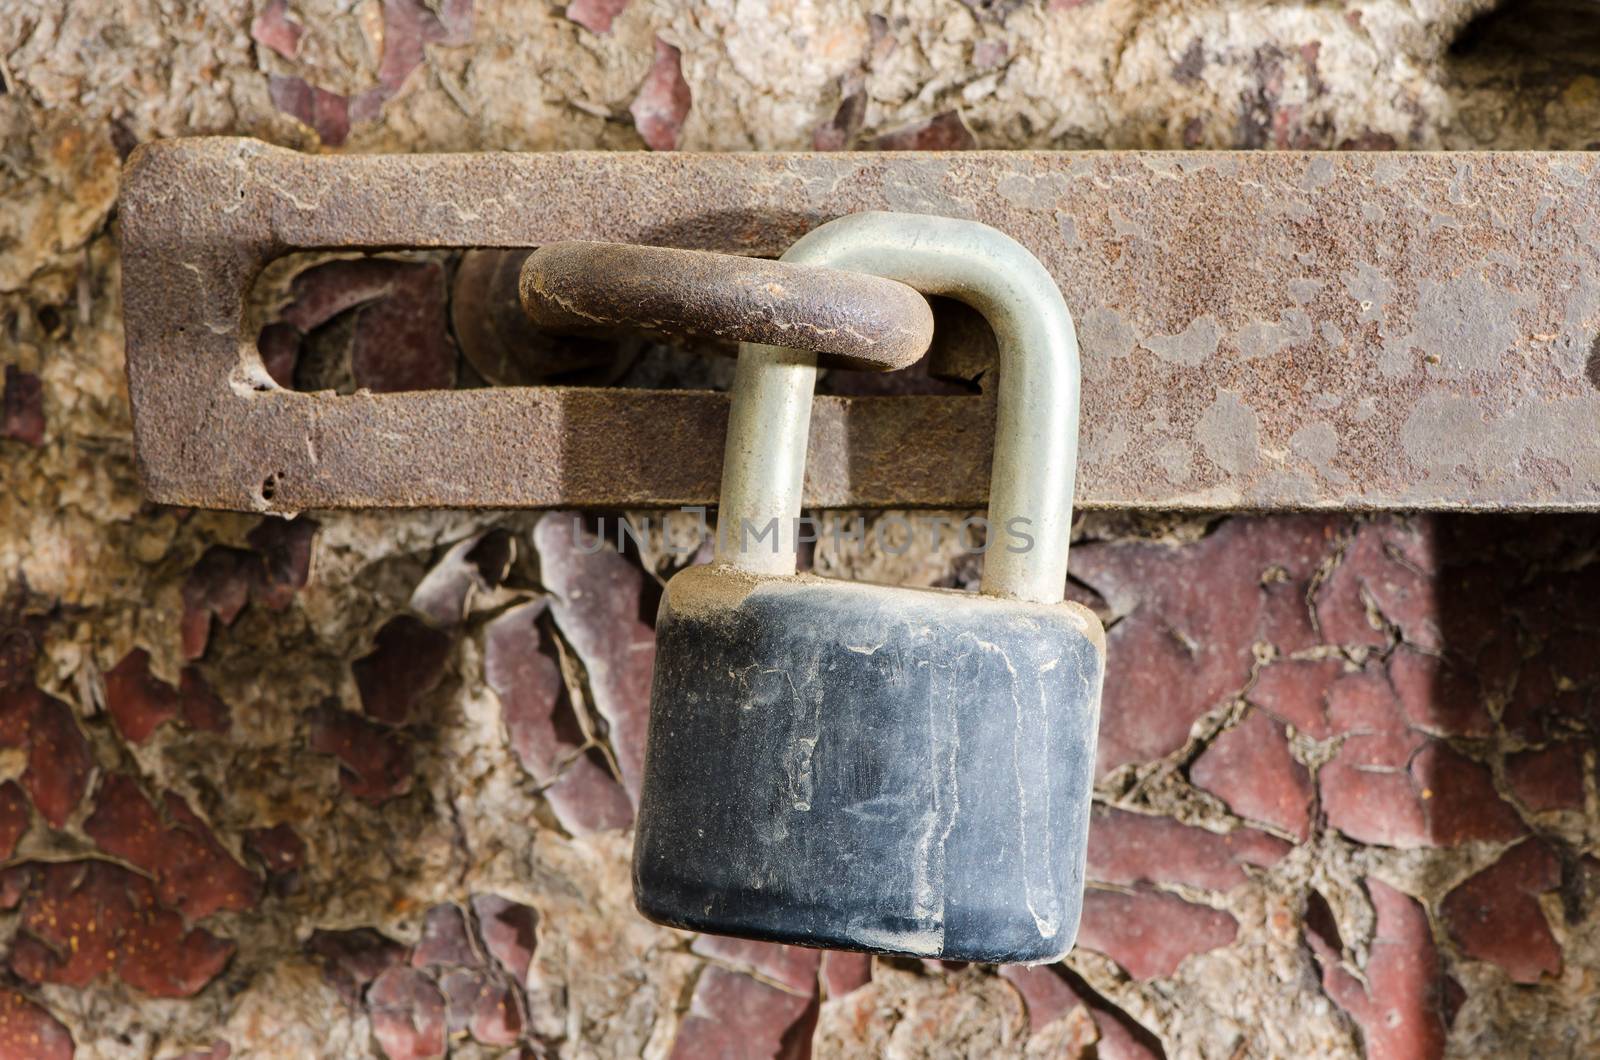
1273	330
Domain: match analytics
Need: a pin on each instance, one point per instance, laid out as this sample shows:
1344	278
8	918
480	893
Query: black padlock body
862	767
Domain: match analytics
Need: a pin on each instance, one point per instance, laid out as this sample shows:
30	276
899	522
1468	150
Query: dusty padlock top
705	591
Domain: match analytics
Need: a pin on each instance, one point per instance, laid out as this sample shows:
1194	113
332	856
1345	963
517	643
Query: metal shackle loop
1036	426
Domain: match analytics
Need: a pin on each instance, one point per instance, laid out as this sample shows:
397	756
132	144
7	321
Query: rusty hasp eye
506	304
1256	332
853	319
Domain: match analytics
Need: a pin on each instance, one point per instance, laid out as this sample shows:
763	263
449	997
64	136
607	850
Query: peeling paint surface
460	871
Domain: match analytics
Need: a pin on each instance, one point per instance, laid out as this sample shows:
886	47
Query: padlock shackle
1036	426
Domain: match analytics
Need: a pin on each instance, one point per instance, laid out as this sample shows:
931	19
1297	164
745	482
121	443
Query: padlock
866	767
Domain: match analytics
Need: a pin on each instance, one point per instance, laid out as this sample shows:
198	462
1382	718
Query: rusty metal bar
859	321
1277	330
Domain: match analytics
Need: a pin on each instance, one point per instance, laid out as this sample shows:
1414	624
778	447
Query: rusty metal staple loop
1263	331
856	320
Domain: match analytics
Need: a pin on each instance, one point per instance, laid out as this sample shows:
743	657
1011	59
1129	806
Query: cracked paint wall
361	784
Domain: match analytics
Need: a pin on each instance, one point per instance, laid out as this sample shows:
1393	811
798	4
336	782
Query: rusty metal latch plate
1259	330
